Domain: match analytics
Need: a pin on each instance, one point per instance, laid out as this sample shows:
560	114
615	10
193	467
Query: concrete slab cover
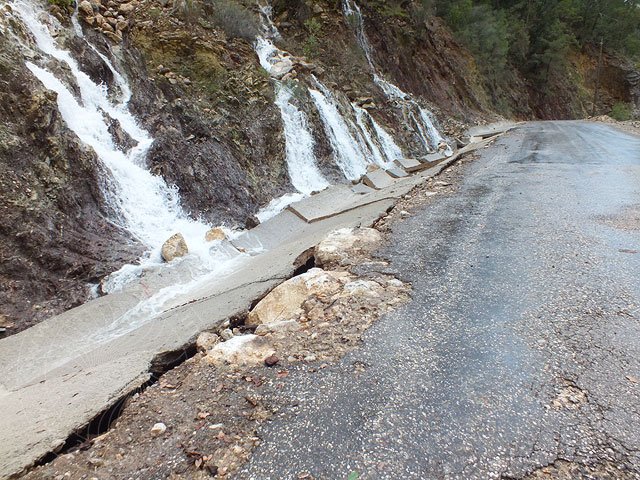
484	131
432	158
408	164
397	172
63	372
378	179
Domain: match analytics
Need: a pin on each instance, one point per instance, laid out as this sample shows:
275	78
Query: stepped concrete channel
68	370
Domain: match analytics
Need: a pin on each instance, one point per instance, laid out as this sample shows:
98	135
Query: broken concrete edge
138	384
482	132
292	209
157	365
142	380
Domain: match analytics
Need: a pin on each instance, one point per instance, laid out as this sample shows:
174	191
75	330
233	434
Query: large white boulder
285	301
240	350
341	246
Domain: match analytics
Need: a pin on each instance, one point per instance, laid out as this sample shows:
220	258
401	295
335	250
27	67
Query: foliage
234	18
311	44
189	10
621	111
535	37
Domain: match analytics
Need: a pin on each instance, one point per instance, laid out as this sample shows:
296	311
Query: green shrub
235	19
621	111
311	44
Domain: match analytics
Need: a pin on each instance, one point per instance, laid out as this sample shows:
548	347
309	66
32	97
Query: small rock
158	429
206	341
121	25
240	350
174	247
251	222
5	322
85	7
277	327
215	234
126	8
404	214
226	334
271	360
394	282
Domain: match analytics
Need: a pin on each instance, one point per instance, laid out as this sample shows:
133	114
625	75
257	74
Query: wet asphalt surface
520	351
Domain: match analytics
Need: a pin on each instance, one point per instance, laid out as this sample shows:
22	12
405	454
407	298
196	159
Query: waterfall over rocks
303	171
142	203
421	118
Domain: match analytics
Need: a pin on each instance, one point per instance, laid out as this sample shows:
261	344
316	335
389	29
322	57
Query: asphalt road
520	352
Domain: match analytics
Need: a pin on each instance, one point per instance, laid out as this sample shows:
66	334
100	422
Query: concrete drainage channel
162	363
51	390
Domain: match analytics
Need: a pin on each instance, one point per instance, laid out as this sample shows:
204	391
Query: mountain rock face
198	88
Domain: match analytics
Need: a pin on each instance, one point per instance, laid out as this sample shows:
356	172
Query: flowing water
303	171
347	151
142	202
422	119
355	137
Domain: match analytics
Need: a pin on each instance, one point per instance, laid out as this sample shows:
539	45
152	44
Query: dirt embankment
202	419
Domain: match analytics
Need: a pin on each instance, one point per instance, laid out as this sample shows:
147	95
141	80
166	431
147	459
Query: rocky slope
199	90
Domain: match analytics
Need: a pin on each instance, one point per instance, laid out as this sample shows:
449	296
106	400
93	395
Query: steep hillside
215	119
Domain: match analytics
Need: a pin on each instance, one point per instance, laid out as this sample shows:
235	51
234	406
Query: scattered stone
404	214
226	334
5	323
174	247
277	327
206	341
86	8
271	360
126	8
215	234
285	301
365	288
241	350
342	246
158	429
251	222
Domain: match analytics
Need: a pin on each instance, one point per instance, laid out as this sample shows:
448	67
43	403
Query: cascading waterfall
384	149
144	203
303	171
347	150
421	118
355	145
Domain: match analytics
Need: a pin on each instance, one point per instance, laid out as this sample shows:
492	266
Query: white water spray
429	135
145	204
303	171
348	154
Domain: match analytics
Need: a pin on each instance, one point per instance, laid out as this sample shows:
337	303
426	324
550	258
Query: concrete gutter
60	374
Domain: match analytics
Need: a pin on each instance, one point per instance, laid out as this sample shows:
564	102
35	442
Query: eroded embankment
211	407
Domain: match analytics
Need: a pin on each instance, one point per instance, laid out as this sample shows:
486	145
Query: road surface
519	354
